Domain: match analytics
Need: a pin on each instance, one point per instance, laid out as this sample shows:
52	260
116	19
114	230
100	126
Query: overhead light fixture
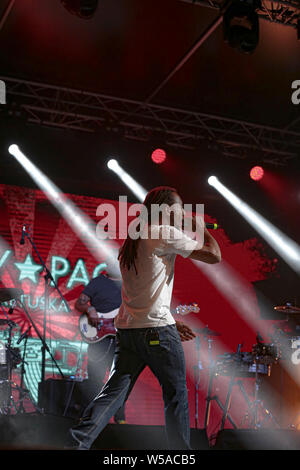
82	8
241	25
212	180
256	173
113	165
158	156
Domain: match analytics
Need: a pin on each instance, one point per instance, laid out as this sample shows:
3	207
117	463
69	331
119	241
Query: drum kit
10	359
256	363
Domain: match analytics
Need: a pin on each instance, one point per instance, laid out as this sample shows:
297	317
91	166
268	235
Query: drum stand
23	393
6	406
10	403
197	369
210	398
228	399
253	406
48	277
257	405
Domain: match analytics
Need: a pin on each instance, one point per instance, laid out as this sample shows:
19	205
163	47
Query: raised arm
210	252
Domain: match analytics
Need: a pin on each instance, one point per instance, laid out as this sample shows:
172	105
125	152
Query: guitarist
102	294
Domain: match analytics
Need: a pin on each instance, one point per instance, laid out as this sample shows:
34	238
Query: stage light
241	25
82	225
283	245
256	173
158	156
82	8
13	149
130	182
113	165
212	180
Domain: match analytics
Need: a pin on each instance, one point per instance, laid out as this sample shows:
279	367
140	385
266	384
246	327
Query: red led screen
56	242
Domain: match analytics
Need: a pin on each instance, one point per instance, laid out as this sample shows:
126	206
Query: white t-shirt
146	296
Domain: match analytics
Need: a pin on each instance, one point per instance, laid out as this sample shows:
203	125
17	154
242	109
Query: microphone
24	335
212	226
23	235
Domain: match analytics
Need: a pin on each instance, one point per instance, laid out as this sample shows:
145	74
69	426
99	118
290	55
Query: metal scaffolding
68	108
282	12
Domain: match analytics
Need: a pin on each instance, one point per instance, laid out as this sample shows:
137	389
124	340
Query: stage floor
46	432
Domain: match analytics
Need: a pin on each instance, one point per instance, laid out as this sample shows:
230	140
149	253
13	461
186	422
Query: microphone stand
197	369
45	345
21	408
10	353
47	277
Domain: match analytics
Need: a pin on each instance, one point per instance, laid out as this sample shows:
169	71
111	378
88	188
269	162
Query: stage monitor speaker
27	431
261	439
64	397
139	437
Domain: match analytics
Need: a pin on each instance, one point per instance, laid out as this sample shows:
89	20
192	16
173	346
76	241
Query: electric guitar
106	327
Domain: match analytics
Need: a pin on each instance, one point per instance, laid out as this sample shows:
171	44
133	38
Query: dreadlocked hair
128	251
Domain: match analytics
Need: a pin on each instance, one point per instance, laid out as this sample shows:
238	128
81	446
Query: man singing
147	334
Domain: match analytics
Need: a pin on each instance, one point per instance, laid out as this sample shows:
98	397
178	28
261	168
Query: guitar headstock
185	309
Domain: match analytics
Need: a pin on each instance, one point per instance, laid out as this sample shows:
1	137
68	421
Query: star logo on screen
29	269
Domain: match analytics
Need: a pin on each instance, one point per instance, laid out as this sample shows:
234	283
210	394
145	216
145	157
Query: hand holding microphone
199	221
212	226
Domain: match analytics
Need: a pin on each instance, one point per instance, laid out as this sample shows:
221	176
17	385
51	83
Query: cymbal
287	309
206	331
10	293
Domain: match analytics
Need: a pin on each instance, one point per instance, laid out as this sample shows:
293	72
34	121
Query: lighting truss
63	107
282	12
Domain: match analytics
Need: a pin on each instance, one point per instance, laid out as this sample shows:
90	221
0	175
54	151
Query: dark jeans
133	353
100	358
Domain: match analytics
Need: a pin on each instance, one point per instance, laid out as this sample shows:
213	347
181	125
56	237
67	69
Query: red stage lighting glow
256	173
158	156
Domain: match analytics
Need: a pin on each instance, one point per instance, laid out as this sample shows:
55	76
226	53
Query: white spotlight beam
82	225
283	245
131	183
